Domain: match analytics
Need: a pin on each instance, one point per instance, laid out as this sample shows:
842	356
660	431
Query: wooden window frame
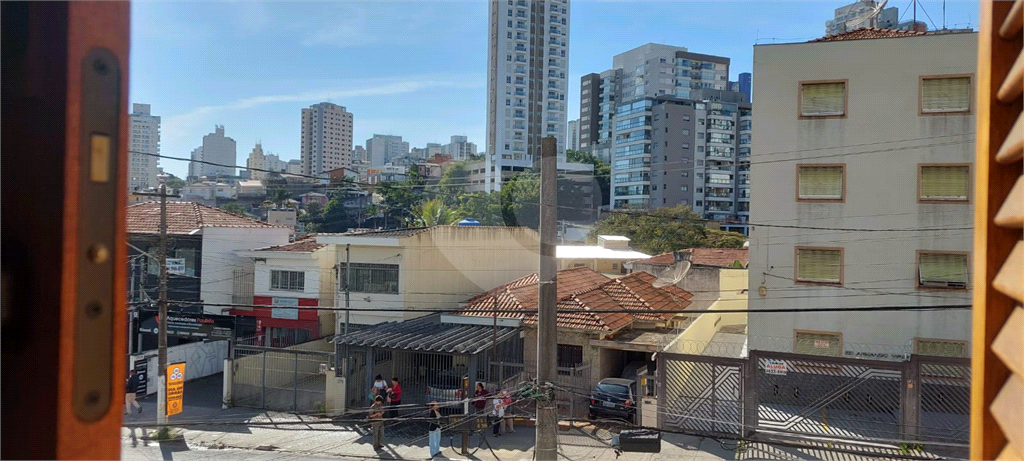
796	266
842	195
970	184
800	99
817	332
917	270
920	95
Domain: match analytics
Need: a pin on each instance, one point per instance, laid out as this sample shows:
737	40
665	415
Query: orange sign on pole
175	387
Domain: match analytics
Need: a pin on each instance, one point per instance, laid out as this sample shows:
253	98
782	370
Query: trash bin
640	441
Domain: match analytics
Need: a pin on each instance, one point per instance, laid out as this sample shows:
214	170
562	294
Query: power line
456	311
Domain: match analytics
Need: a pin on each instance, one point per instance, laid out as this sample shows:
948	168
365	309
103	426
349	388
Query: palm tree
433	213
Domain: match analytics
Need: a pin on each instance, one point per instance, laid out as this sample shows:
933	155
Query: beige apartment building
862	192
395	273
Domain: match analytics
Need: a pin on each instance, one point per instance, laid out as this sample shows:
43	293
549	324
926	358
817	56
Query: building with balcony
616	111
528	56
382	149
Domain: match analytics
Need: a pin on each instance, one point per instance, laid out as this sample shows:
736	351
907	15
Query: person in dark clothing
131	388
480	397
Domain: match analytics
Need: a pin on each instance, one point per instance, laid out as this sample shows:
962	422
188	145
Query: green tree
453	183
481	206
233	208
278	196
175	182
520	201
722	239
433	212
655	232
334	217
602	171
313	210
401	199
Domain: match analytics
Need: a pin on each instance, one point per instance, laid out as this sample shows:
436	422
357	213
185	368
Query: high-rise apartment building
381	149
326	138
528	56
216	149
616	110
256	162
862	14
143	148
572	141
459	149
700	157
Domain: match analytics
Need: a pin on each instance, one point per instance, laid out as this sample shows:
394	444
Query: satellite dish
672	274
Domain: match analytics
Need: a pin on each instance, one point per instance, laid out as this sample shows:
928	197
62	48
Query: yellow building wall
694	339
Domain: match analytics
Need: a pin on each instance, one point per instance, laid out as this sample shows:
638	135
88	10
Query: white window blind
818	344
820	99
824	266
951	94
942	270
945	182
821	182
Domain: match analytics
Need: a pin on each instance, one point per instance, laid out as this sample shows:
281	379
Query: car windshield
616	390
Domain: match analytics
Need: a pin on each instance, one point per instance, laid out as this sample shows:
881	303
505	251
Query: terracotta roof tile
719	257
587	300
664	259
869	33
304	245
184	218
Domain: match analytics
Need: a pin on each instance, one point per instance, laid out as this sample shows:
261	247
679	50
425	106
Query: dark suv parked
615	398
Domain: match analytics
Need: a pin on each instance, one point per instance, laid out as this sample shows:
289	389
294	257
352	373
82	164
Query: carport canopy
428	334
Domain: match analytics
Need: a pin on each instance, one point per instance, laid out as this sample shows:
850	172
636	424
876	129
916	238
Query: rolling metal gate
280	379
924	399
700	394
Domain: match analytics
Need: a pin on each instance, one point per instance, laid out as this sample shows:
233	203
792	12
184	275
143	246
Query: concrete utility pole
161	409
547	338
348	290
161	382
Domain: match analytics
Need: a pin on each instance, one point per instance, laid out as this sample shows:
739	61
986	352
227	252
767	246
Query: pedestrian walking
377	422
131	388
498	413
435	430
480	397
394	397
506	421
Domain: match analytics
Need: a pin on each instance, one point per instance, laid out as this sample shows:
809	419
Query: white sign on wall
775	367
284	313
284	302
176	266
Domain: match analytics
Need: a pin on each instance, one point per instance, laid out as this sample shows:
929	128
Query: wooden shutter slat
1008	280
1008	410
1009	344
1011	213
1013	85
1012	149
1008	454
1014	22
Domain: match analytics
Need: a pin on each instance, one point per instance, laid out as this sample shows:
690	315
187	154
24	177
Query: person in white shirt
498	412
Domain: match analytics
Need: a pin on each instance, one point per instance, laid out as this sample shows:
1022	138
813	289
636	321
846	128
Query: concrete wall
220	260
695	337
280	366
201	359
881	141
439	268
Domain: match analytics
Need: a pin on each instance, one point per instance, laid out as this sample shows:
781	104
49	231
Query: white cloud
176	127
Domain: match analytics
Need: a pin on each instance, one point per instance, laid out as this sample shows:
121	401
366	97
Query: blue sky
415	69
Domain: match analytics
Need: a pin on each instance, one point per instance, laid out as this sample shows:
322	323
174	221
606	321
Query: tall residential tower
216	149
526	88
145	144
326	138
